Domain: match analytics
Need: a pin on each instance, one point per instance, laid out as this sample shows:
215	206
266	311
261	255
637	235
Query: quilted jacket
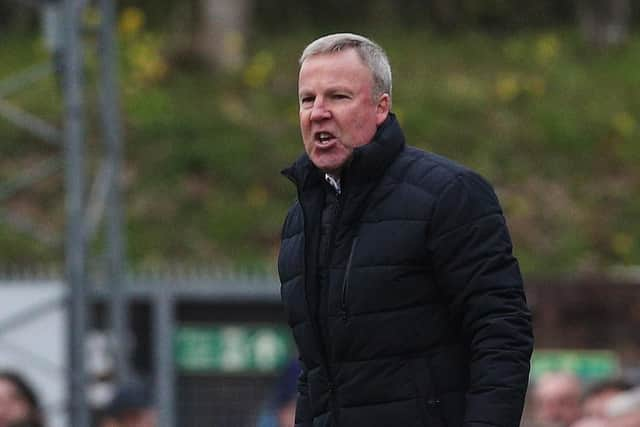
425	315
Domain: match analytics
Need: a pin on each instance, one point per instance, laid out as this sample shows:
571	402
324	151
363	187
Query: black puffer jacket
426	317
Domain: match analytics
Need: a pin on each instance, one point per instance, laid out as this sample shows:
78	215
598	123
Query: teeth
324	136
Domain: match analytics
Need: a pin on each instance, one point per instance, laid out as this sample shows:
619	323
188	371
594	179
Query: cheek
304	129
303	117
363	129
20	410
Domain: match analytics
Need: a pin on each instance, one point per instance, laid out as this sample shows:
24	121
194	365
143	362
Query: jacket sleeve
304	417
481	281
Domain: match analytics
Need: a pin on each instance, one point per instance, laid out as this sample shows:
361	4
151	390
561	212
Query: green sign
586	364
232	348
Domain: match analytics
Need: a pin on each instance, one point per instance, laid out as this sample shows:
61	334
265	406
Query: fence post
75	254
164	372
112	140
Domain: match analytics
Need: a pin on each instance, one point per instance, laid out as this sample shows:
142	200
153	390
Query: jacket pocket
345	281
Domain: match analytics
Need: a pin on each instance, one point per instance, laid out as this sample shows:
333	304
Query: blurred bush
551	123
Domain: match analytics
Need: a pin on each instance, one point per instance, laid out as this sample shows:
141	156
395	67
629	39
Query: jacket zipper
332	388
324	352
345	281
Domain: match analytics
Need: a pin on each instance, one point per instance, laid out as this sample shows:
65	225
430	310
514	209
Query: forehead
345	65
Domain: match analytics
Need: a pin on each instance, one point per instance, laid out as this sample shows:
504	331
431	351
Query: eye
340	96
306	101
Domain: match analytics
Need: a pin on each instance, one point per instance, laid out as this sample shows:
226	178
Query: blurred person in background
591	422
19	405
598	395
281	407
557	399
131	406
396	265
623	410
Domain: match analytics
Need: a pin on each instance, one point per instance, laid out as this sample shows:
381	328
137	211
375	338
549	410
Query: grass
552	124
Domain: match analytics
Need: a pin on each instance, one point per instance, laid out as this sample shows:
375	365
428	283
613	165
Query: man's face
557	400
596	405
337	109
139	418
13	407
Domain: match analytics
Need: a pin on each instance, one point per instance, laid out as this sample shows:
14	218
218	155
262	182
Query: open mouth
324	138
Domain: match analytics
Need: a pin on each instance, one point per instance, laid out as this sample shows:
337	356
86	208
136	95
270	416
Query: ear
382	108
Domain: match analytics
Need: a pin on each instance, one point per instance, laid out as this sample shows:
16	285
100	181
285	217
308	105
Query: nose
319	111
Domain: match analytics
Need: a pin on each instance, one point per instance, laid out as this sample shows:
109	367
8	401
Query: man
131	406
281	407
598	395
617	405
557	399
397	276
623	410
19	405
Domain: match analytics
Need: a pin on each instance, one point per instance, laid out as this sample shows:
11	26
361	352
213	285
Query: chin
325	166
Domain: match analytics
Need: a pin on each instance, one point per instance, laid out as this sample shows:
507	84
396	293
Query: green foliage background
552	124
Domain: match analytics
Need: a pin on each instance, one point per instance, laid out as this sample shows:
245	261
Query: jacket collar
367	164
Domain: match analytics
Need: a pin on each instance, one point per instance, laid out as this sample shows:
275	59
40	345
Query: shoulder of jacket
428	171
294	214
294	209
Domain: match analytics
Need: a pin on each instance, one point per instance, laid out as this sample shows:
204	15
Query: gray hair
370	52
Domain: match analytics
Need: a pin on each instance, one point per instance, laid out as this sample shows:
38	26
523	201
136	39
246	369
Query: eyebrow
330	90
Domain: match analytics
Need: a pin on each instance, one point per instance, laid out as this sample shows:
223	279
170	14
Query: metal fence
210	346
